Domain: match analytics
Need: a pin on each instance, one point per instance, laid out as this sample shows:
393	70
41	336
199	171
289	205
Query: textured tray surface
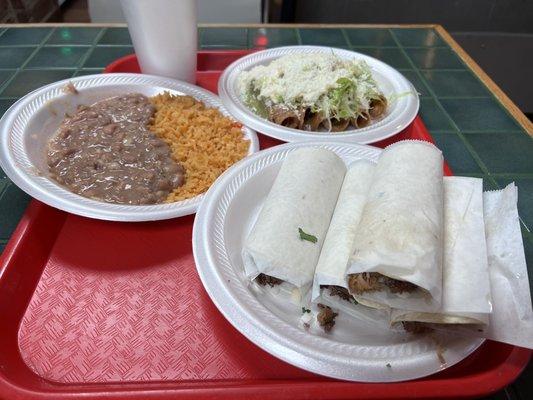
132	314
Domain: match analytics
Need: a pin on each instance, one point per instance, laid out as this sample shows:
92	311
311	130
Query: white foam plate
400	112
27	126
354	350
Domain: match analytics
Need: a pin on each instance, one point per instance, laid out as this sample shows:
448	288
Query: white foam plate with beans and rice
29	126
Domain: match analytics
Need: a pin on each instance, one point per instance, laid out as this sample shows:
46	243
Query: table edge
217	25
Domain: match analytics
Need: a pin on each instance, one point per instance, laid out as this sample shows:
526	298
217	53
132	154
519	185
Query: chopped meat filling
416	327
396	286
373	281
264	280
338	291
326	317
364	282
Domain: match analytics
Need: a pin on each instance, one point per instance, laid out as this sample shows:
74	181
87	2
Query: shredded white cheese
305	79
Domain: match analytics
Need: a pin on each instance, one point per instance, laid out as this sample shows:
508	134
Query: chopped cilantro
307	236
305	310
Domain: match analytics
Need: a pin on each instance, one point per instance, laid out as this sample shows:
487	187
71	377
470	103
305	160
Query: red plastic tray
99	309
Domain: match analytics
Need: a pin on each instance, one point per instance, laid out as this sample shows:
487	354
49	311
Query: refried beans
106	151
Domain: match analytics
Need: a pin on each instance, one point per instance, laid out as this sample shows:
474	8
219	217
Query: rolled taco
377	107
397	257
287	117
466	294
338	244
339	125
329	285
362	120
285	242
313	121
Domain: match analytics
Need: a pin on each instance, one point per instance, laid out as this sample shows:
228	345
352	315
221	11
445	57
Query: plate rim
250	326
271	129
80	205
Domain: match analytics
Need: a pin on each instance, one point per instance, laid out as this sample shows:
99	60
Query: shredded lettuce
397	96
343	99
254	102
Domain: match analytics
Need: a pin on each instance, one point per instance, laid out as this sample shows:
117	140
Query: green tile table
481	132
